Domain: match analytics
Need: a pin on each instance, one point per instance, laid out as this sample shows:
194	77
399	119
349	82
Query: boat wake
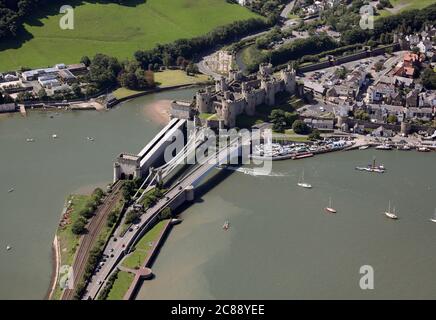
256	172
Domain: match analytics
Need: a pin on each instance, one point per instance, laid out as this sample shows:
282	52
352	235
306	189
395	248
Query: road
89	239
118	247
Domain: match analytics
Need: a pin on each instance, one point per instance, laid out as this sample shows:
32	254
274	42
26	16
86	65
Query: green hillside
117	30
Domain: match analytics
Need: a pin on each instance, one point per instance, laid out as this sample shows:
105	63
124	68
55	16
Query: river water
280	243
45	172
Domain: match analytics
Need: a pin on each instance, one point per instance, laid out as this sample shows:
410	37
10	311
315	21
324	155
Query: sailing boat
330	209
389	214
434	216
303	184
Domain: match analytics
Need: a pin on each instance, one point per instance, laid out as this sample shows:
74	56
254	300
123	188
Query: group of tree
428	79
79	226
281	119
190	49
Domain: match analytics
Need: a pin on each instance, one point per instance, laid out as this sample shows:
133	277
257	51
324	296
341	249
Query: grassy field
403	5
117	30
170	78
67	240
121	285
137	257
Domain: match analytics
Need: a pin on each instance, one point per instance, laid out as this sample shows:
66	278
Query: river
280	243
45	172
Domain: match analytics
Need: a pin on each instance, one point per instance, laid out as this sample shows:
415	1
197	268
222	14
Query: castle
238	94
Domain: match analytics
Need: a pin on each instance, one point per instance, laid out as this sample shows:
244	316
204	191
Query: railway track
89	239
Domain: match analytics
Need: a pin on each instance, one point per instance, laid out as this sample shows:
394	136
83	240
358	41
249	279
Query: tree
42	94
131	216
112	217
79	226
392	119
76	90
300	127
191	69
315	135
278	119
428	78
85	60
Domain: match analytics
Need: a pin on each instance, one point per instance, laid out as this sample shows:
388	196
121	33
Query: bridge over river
181	190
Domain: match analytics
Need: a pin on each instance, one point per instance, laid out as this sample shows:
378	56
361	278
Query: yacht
372	167
434	217
54	136
364	147
11	190
330	209
303	184
383	147
391	214
423	149
226	225
30	140
8	248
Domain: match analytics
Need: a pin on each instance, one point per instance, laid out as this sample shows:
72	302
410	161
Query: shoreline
55	268
158	111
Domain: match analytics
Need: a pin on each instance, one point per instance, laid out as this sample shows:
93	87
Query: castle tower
289	77
221	84
270	95
250	100
265	69
235	75
228	114
204	101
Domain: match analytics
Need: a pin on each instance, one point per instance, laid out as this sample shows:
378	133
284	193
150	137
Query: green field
403	5
121	285
117	30
136	258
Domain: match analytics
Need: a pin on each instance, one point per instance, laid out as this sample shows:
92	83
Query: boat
364	147
391	214
226	225
90	138
8	248
372	168
383	147
30	140
54	136
303	184
404	148
330	209
11	190
176	221
302	155
434	217
423	149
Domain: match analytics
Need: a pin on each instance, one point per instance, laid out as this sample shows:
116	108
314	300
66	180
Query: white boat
54	136
383	147
391	214
372	167
8	248
303	184
405	148
330	209
364	147
434	217
90	138
11	190
30	140
423	149
226	225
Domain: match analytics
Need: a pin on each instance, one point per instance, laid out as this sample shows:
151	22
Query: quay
145	272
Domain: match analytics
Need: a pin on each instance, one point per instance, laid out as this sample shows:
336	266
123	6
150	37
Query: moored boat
384	147
391	214
226	225
303	184
330	208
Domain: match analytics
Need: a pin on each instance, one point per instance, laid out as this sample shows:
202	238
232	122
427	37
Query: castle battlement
239	94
